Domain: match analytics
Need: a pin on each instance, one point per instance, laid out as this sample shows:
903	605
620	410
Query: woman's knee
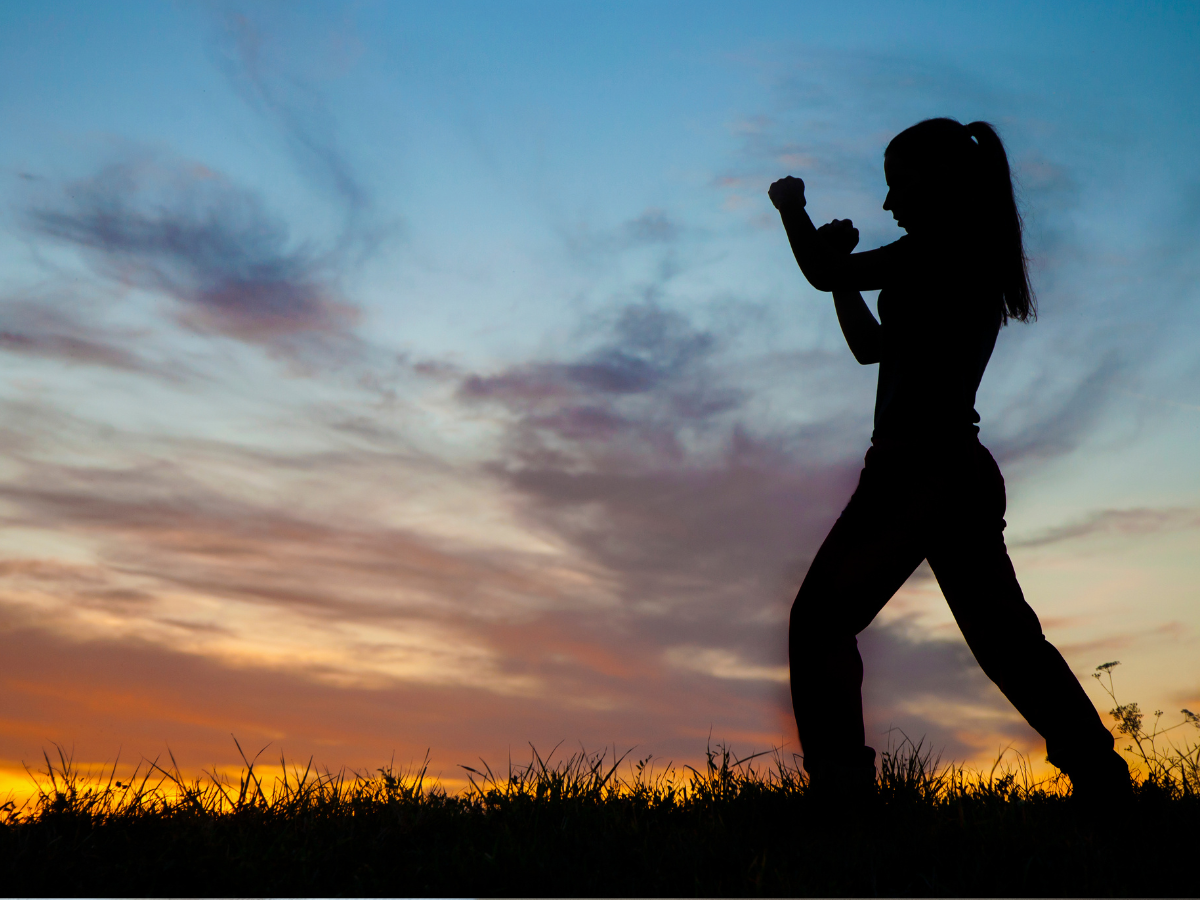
815	619
1007	646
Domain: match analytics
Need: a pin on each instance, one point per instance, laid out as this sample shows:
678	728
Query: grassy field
588	824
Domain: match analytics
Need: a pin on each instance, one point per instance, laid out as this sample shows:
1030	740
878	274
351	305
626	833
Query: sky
379	379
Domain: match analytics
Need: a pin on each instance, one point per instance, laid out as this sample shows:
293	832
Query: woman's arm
863	334
825	270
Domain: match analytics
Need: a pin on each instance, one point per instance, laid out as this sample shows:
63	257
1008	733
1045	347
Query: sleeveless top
940	319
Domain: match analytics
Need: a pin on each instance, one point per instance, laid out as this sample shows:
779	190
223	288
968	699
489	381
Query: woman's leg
867	556
969	558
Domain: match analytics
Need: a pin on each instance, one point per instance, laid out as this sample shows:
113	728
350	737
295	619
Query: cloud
1120	522
255	65
654	228
641	454
46	331
198	571
651	227
127	695
704	517
635	588
650	348
639	591
723	664
186	232
1173	632
1043	424
178	228
933	689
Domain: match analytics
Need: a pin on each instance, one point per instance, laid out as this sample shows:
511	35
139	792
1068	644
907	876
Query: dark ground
565	831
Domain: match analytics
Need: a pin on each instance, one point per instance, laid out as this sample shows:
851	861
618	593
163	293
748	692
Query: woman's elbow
867	353
818	274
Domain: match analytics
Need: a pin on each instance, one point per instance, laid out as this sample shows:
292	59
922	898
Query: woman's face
903	200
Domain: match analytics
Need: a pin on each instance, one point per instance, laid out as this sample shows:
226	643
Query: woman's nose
887	201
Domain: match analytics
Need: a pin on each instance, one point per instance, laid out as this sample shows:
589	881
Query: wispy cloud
196	568
641	588
259	71
651	379
1042	424
178	228
186	232
934	690
46	330
1119	522
641	454
654	228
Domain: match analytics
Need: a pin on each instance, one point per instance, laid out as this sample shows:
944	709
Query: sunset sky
378	377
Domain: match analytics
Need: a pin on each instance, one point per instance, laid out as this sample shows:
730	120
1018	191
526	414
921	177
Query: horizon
382	379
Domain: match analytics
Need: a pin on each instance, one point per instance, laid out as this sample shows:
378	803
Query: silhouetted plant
1175	767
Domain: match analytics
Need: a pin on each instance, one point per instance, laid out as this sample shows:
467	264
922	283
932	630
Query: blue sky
379	377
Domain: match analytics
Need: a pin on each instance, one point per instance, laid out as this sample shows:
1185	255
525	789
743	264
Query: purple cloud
188	233
705	518
652	377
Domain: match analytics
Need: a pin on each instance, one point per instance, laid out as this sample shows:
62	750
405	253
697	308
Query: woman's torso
940	316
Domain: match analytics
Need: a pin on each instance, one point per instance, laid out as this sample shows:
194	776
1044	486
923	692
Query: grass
594	824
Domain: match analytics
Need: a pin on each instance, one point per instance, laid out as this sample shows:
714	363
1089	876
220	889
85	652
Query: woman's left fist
787	193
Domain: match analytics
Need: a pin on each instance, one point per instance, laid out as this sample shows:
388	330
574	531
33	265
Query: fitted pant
945	505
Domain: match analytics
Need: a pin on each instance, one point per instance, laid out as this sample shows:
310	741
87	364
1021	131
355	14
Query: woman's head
947	177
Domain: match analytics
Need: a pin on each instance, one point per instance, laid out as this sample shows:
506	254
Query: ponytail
999	202
966	166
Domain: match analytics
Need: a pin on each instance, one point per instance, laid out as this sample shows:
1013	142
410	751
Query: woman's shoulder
918	261
944	257
901	259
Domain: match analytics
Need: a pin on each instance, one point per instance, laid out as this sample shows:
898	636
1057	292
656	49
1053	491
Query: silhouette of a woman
928	488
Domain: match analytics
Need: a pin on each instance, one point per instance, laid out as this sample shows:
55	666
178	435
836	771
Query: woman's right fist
840	235
787	193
